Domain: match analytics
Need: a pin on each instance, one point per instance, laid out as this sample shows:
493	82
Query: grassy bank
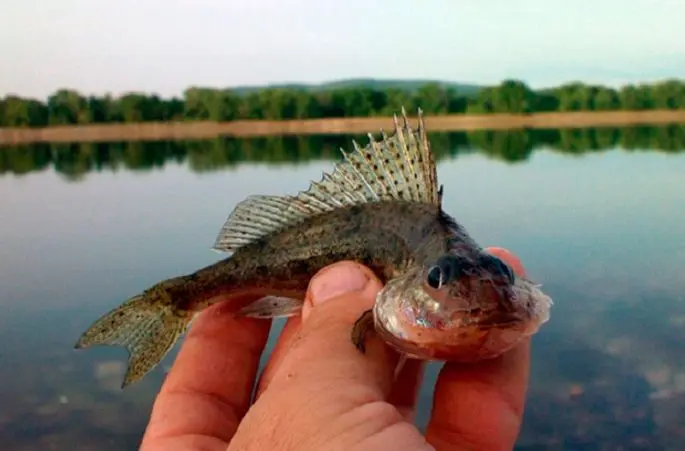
152	131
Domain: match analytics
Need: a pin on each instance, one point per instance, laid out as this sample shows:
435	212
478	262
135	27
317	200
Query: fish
444	296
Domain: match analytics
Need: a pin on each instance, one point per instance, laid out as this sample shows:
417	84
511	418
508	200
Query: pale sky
164	46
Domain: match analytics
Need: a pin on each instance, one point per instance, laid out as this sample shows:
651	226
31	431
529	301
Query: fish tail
147	325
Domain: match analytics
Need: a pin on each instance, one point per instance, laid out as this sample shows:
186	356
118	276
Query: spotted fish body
381	206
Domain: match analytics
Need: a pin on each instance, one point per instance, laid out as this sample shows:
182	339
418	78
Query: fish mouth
469	336
475	317
477	303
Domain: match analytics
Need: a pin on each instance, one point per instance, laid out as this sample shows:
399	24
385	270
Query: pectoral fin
362	326
272	307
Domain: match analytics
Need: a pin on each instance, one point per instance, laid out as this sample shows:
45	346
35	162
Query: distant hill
375	83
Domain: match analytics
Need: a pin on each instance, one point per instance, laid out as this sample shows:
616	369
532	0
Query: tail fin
147	329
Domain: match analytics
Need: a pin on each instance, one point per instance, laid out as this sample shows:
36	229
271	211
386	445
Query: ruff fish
444	298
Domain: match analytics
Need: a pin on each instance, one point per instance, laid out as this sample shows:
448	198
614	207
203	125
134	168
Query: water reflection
513	146
601	389
603	231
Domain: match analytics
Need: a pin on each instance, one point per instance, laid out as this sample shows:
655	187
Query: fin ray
147	330
397	167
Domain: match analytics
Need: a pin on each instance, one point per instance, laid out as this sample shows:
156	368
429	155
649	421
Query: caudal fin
147	330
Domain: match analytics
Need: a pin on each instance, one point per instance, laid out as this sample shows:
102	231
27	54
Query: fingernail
335	281
509	258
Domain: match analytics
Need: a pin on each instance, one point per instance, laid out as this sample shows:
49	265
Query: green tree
68	107
398	98
354	102
606	99
210	104
276	104
249	107
483	103
512	96
305	105
635	97
100	109
172	109
433	98
669	95
546	100
134	107
575	96
457	103
16	112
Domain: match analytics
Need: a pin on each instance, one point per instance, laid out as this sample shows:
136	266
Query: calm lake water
597	216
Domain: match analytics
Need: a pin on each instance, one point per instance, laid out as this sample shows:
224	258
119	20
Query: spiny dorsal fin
399	167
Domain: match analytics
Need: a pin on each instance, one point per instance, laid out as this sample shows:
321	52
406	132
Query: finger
405	390
321	387
286	337
480	406
509	258
324	339
208	389
320	355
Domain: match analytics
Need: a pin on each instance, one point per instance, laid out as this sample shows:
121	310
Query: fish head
461	308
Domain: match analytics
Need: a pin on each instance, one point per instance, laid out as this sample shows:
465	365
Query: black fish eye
435	278
447	269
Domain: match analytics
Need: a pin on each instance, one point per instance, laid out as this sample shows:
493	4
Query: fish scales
385	237
381	206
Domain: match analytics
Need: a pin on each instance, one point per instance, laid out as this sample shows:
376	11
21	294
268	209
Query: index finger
208	389
480	406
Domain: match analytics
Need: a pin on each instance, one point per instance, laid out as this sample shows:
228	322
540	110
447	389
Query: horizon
361	80
327	82
162	48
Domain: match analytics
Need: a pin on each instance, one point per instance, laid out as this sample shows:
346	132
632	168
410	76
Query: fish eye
447	268
435	277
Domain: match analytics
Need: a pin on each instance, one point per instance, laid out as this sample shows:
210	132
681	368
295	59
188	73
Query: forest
69	107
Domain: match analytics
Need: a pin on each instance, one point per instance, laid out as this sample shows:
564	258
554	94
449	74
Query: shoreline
155	131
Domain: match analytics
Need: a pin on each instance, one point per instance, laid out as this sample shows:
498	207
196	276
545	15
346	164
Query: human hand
319	392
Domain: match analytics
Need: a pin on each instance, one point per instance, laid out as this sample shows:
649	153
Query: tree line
69	107
77	159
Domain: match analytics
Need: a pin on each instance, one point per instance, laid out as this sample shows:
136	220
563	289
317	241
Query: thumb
321	352
322	392
344	278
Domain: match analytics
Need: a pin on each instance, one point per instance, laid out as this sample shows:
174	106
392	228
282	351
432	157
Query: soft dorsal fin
398	167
